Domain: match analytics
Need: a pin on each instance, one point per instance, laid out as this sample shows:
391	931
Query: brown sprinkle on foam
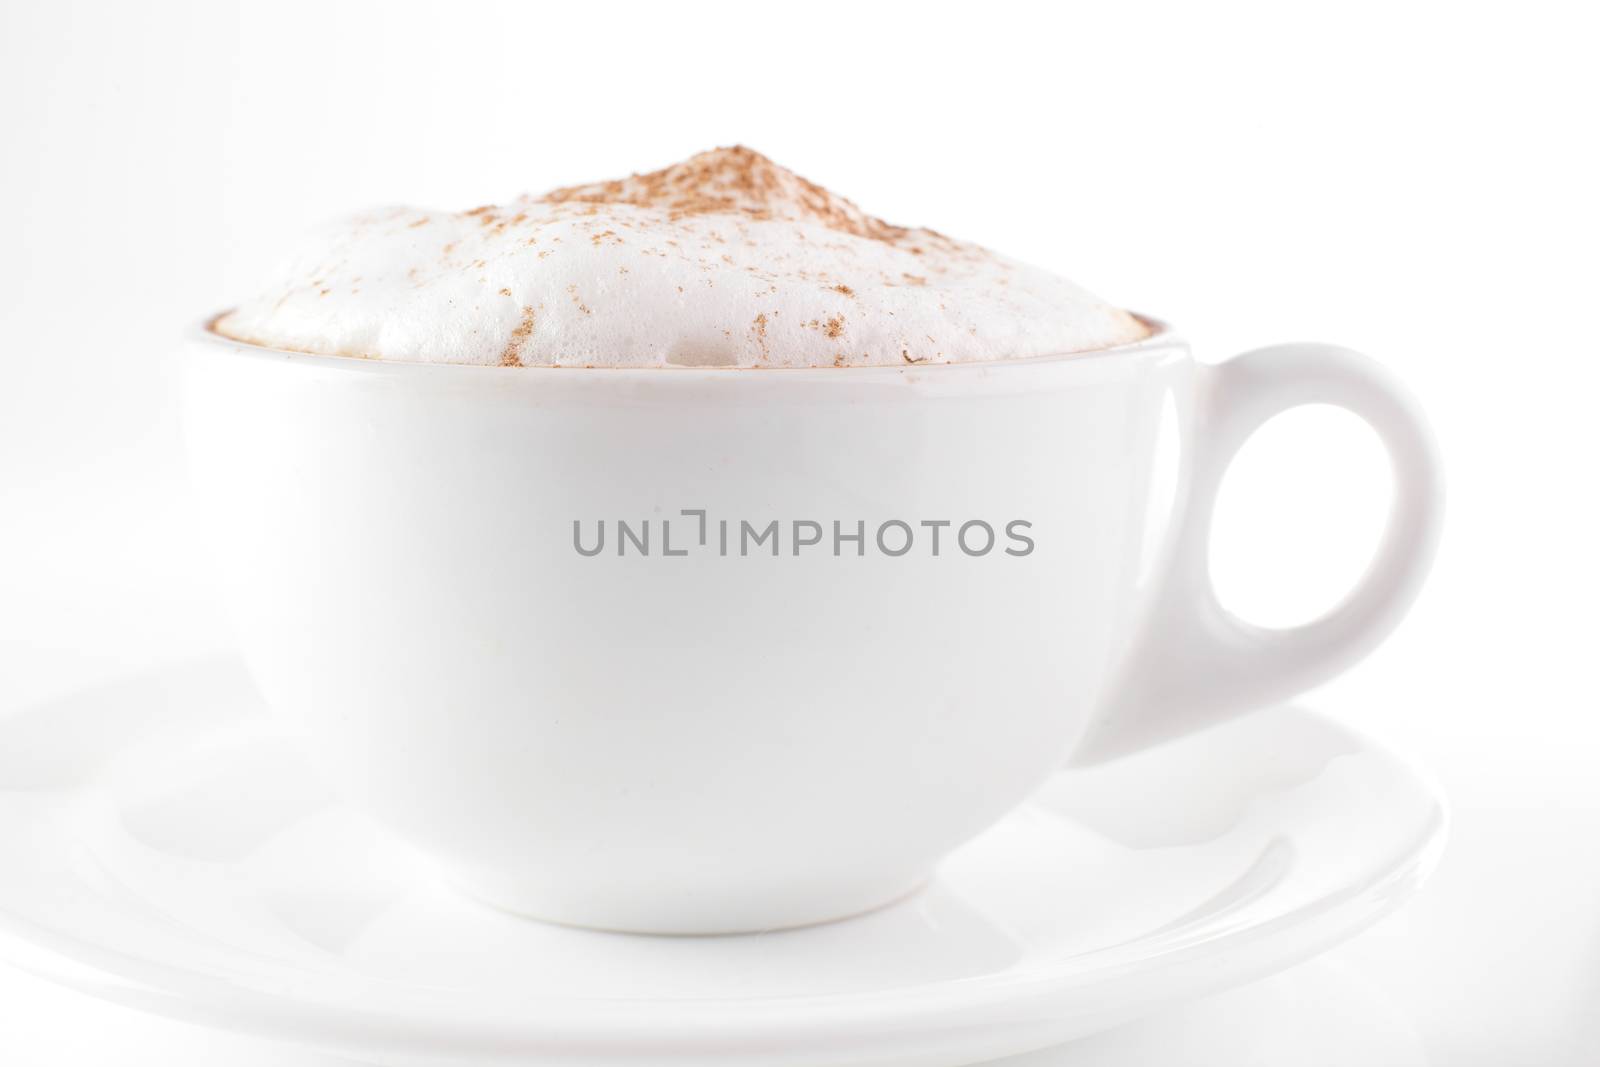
734	180
512	356
759	327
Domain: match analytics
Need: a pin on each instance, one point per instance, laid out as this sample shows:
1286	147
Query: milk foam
724	260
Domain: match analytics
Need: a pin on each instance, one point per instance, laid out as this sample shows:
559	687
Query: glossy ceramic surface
169	850
682	737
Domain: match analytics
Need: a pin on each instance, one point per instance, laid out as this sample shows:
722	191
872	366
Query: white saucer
164	848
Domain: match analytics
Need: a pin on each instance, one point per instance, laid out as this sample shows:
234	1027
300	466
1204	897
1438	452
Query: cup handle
1194	663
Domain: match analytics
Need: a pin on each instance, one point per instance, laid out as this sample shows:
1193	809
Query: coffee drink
697	650
726	259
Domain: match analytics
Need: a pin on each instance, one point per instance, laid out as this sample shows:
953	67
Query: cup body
705	724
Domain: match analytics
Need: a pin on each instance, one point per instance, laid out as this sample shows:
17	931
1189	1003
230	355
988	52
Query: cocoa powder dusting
512	356
759	326
733	180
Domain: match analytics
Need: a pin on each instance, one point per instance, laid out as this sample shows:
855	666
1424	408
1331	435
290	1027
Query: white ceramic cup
687	739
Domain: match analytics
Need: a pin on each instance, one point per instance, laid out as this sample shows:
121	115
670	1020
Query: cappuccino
724	260
706	651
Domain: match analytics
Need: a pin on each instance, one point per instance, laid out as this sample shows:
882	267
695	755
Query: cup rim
1161	339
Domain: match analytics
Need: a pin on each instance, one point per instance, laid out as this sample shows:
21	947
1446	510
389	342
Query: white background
1416	180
